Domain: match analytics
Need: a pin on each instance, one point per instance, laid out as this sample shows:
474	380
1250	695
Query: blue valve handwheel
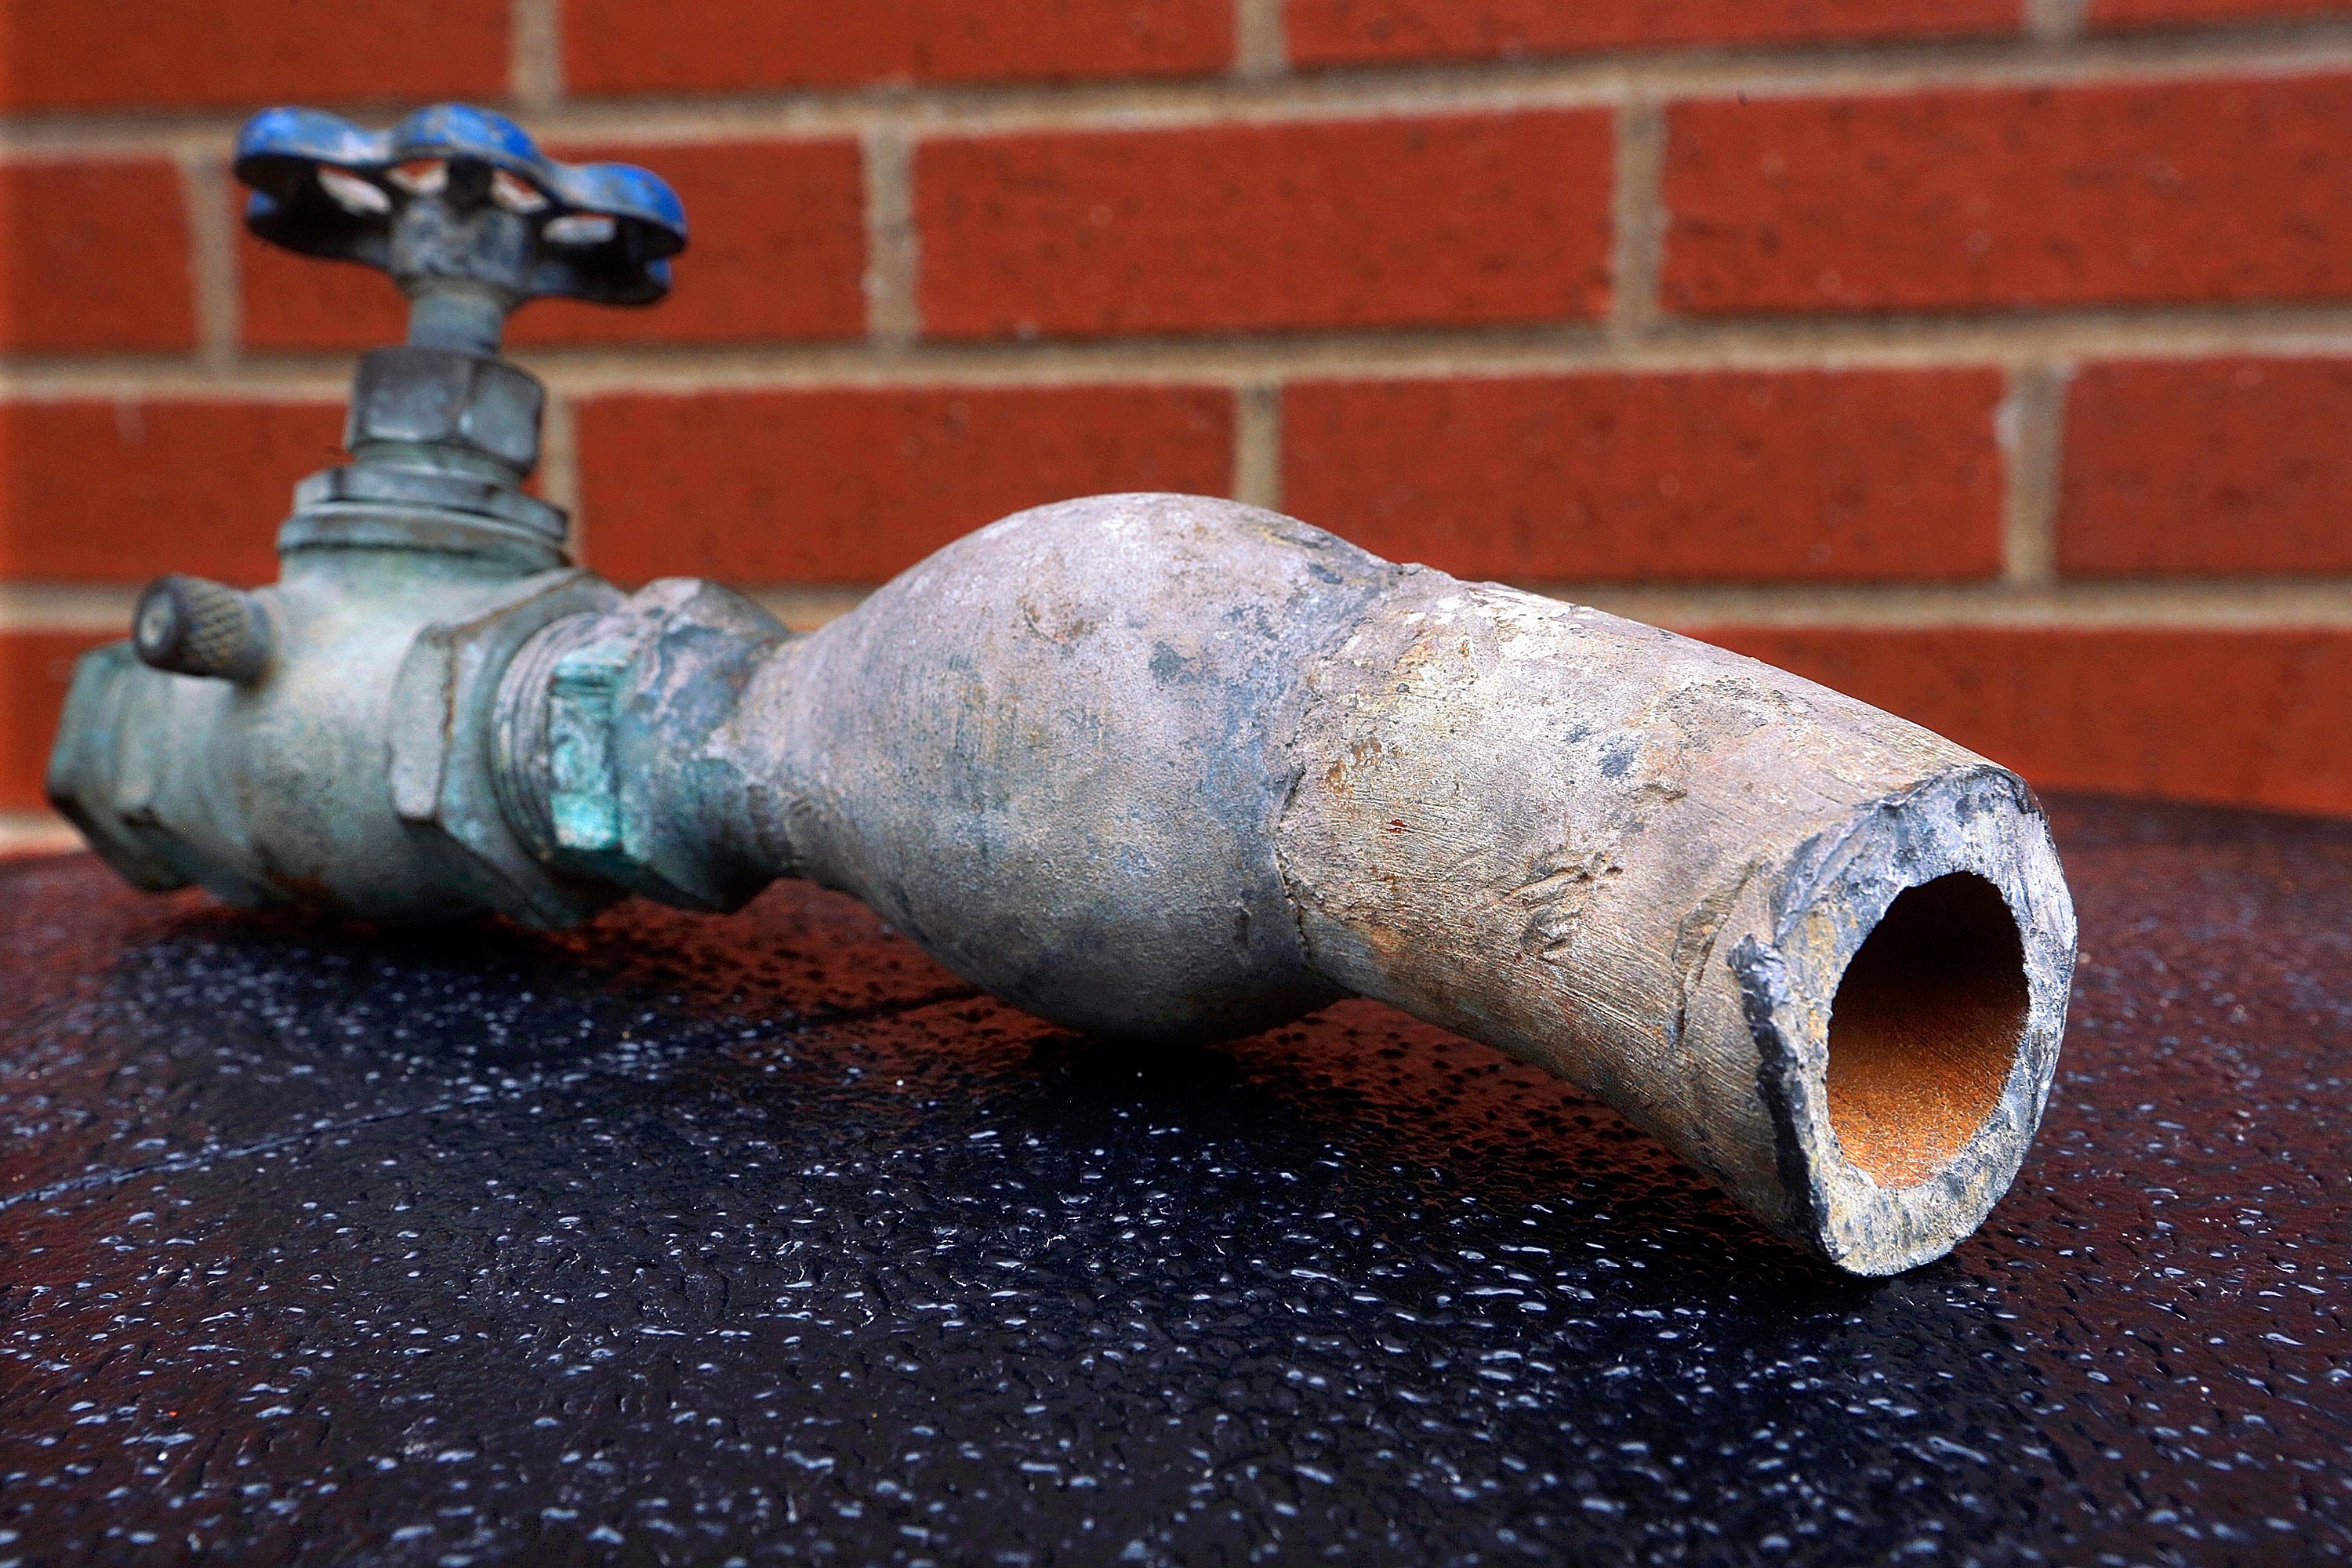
323	186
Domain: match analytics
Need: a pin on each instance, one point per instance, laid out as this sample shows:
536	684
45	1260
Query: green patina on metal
584	792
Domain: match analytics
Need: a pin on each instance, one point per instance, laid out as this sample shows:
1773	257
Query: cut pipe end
1908	1015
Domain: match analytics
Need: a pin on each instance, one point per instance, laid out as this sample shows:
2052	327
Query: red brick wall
1992	359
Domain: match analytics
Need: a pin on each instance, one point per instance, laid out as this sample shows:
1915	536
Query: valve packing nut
435	397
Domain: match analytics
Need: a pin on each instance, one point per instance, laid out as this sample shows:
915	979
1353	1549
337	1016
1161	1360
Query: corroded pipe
1158	767
1172	768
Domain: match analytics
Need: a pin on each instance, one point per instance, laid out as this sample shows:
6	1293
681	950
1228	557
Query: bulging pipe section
1171	769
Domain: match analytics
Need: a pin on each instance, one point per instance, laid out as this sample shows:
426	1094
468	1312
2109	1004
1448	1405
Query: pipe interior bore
1928	1018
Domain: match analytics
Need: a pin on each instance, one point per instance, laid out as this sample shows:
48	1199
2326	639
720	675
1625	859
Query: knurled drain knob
192	625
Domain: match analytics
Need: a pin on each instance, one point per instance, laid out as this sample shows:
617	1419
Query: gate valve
324	736
472	221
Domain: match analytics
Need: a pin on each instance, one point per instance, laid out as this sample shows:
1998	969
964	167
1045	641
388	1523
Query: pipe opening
1926	1021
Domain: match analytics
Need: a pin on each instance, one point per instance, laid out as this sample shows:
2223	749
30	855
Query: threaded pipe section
522	771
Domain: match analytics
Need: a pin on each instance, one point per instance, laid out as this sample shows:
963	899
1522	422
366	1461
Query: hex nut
443	705
442	397
88	780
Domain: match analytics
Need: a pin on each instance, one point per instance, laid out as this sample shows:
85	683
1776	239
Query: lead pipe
1170	769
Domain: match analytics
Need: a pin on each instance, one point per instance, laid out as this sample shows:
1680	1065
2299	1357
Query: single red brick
72	54
35	668
94	256
2208	466
2178	191
2247	717
686	45
854	486
2158	13
1760	476
1358	32
290	302
120	493
777	247
777	252
1484	217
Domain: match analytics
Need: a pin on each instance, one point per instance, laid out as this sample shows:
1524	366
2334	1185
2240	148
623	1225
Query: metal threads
523	774
192	626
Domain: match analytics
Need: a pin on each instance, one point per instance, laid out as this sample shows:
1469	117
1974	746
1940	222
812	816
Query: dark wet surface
684	1239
